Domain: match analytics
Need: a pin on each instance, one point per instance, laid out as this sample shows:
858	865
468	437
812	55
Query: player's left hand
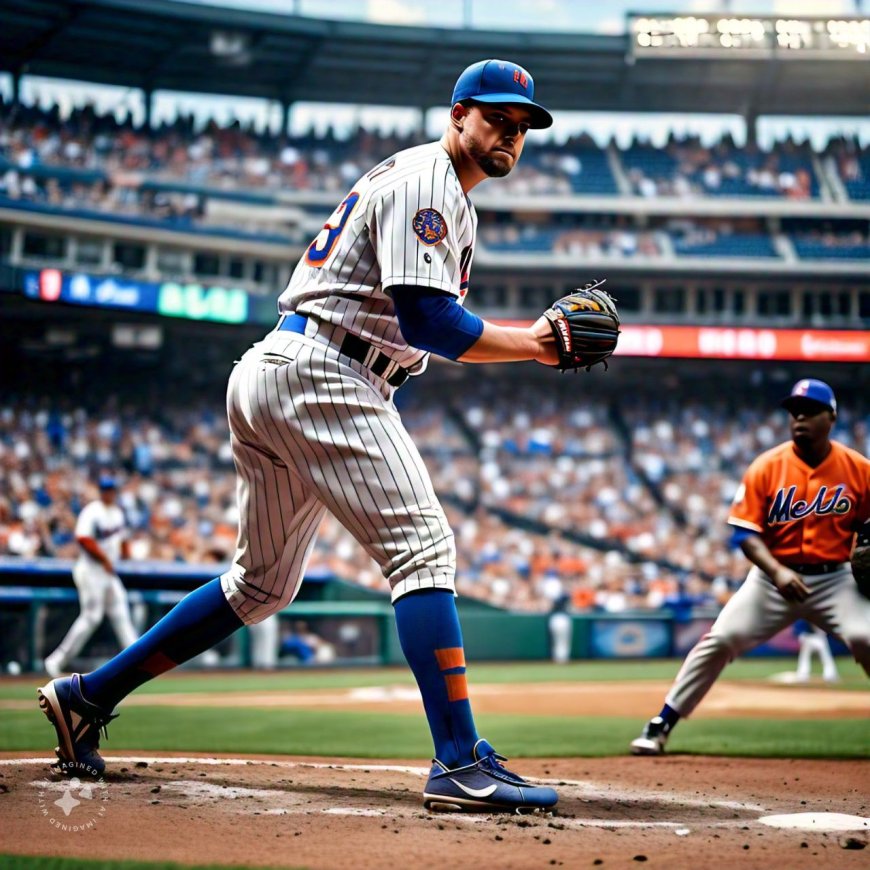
585	325
790	584
861	569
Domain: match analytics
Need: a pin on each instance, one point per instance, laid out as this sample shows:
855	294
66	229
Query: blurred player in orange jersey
795	517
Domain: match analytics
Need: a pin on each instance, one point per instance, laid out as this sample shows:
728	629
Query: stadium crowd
616	506
120	156
182	177
686	168
176	173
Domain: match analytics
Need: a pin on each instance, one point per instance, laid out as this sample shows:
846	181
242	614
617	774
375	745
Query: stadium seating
852	163
686	168
723	245
92	166
644	487
817	249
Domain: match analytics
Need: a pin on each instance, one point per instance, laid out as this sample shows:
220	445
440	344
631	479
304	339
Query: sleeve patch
430	226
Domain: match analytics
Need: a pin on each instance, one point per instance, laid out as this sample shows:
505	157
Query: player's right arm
433	321
748	517
85	533
788	583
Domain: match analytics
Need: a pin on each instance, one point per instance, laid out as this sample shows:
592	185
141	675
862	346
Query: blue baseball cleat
78	723
484	786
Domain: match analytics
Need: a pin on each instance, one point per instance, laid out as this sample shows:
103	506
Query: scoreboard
677	36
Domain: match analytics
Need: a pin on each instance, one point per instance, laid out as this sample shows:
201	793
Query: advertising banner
629	638
169	298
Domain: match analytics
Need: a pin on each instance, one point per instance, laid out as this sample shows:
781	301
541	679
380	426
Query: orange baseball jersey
805	515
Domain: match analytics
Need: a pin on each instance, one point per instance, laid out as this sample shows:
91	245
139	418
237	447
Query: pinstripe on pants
312	430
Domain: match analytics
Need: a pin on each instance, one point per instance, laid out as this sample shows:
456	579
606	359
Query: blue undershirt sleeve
739	535
434	321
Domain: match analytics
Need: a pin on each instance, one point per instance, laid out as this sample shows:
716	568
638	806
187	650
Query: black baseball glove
586	326
861	561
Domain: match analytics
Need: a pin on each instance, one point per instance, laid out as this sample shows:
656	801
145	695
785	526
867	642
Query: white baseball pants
100	594
816	642
312	430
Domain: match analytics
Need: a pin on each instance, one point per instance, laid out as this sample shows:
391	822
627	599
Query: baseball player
101	532
813	640
314	427
795	516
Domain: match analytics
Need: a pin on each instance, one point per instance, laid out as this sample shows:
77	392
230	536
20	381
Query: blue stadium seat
812	249
736	245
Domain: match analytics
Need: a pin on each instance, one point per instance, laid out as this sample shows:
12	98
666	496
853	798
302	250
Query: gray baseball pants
756	612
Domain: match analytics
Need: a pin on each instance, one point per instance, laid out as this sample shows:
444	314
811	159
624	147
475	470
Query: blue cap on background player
106	481
810	390
500	81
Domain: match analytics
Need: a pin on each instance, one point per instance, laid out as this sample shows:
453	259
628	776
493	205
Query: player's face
493	136
810	424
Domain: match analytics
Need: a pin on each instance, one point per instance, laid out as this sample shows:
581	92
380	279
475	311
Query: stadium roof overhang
167	45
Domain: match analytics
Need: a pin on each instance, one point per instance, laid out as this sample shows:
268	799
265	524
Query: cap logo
521	78
802	388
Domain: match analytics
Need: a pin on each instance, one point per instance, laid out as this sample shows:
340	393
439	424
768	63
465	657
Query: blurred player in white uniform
101	532
813	639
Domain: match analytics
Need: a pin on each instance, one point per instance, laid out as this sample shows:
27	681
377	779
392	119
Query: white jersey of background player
101	532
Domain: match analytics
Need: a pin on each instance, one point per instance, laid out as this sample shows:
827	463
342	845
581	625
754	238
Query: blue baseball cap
106	481
810	390
501	81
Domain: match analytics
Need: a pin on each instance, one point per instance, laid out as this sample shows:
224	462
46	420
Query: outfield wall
38	604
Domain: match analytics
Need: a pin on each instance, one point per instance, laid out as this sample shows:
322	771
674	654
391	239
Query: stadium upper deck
750	230
167	45
90	191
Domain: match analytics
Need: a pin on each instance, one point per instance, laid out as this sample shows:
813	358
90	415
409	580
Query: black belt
355	347
815	567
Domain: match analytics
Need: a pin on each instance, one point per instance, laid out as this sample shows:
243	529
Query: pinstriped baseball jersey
407	221
313	429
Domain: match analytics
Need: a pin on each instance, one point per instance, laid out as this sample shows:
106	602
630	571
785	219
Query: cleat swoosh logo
475	792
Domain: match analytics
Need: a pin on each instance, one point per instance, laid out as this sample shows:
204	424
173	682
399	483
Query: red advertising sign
50	285
726	342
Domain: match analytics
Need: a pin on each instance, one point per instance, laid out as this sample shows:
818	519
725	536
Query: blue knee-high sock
670	716
195	624
431	640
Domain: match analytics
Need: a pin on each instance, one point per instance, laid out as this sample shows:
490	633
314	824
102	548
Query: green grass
33	862
518	672
382	735
389	735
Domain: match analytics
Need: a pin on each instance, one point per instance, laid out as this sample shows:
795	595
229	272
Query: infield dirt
678	811
330	813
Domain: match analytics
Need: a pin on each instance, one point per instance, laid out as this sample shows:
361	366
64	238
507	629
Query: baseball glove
861	562
586	326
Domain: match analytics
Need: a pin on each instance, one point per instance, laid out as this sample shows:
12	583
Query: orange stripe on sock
451	657
457	687
157	664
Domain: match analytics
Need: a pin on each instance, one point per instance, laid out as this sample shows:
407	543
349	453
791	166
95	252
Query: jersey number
317	256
